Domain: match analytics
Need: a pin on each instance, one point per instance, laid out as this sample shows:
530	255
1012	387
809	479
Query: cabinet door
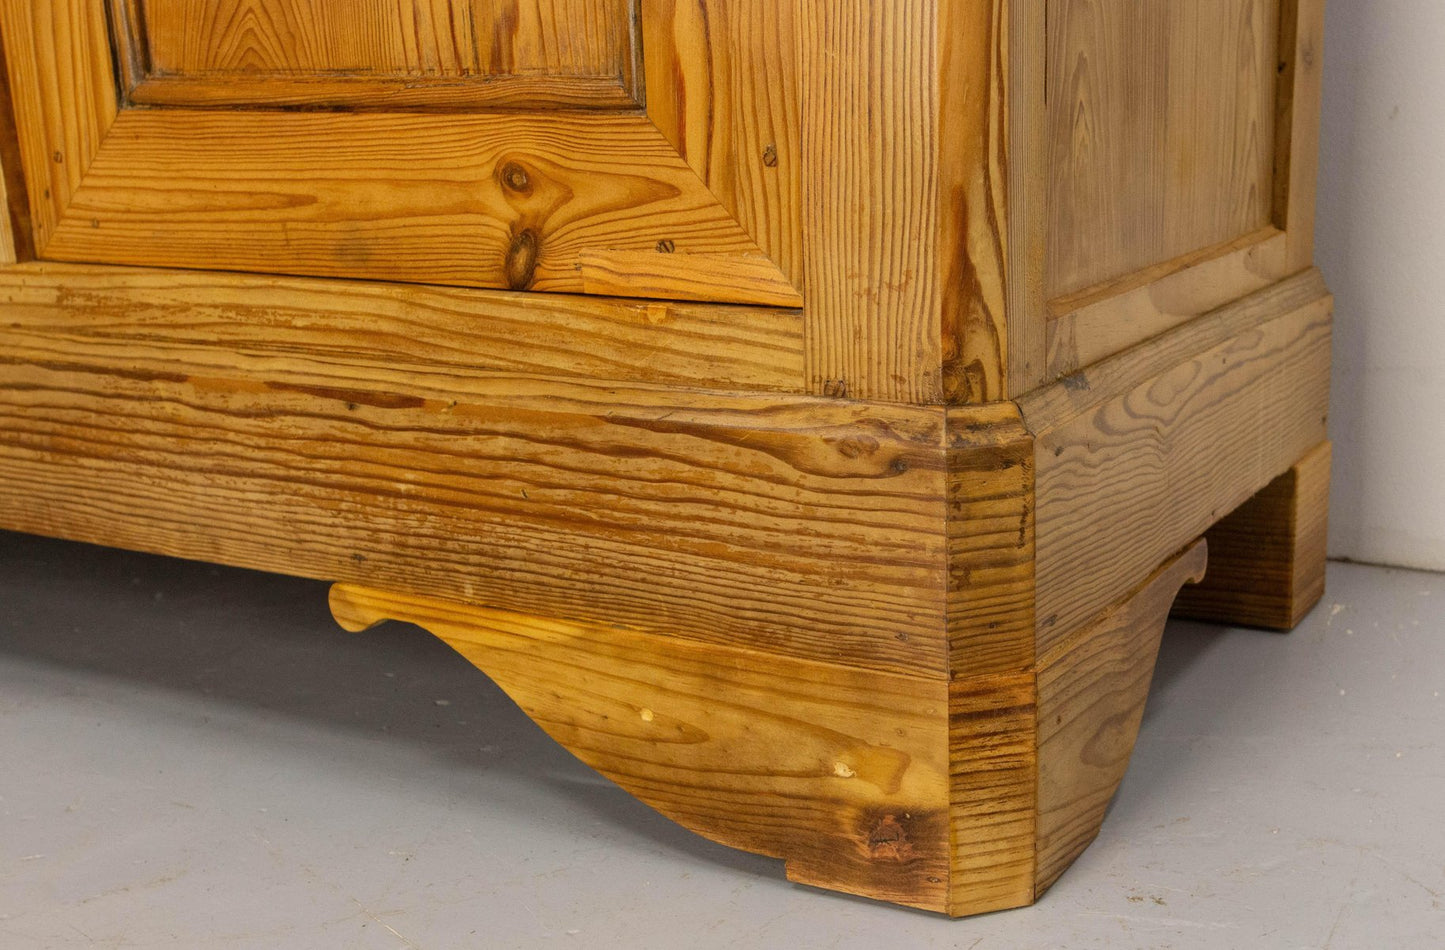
628	147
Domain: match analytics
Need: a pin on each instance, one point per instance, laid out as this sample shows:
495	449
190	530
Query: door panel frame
483	226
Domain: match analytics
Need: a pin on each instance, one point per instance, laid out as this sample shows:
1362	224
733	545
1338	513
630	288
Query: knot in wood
522	257
515	178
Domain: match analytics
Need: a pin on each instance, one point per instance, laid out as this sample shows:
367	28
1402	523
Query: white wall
1381	244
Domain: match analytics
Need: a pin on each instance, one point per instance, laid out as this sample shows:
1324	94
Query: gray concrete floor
196	757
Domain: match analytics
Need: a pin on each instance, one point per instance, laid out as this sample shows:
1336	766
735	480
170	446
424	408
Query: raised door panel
381	53
1161	132
483	143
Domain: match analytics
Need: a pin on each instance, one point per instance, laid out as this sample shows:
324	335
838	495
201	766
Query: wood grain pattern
1267	557
16	230
974	241
1144	452
458	54
727	437
673	276
905	179
420	330
840	771
990	617
553	201
499	201
1028	195
723	88
1094	326
1161	118
993	773
1297	125
804	527
871	200
1092	690
14	207
64	97
8	252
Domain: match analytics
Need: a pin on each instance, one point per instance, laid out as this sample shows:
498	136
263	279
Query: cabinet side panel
1161	119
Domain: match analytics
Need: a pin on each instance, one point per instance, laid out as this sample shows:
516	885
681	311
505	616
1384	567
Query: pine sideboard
807	410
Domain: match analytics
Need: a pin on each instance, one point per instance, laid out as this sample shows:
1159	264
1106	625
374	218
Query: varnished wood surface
905	186
17	242
1161	128
842	772
540	200
8	251
810	528
1089	327
382	53
723	87
1028	194
1092	691
1267	557
1142	453
974	248
500	201
990	617
993	777
873	285
831	519
408	329
64	97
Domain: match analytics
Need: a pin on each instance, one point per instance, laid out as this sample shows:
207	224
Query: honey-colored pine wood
381	53
1267	557
808	412
422	329
905	184
521	200
64	97
872	279
783	523
1027	211
484	200
1098	324
1144	452
1161	118
993	781
723	89
990	482
989	622
973	106
841	772
1092	689
16	232
8	251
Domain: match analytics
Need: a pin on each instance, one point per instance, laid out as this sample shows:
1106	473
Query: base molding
849	622
1092	690
1267	557
959	798
843	773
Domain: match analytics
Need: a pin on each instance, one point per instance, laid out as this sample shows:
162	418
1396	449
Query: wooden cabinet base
1268	556
869	783
904	647
808	414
